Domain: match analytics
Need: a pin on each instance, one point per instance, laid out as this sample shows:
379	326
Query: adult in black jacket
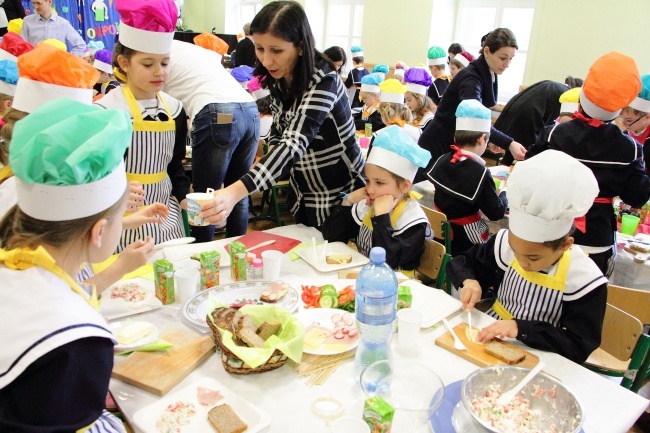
245	50
13	9
477	81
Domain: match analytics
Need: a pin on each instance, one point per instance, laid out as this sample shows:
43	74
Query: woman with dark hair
454	49
338	57
477	81
312	136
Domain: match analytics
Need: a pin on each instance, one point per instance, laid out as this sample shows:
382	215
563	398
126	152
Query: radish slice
353	332
339	335
336	318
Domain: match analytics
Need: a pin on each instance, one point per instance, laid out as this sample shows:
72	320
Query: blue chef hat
357	51
8	77
370	83
243	74
642	101
417	80
471	115
380	68
394	150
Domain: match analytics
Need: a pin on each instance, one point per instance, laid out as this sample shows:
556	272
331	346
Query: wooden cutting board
475	352
158	372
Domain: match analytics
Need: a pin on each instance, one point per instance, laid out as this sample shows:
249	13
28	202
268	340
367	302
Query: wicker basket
233	364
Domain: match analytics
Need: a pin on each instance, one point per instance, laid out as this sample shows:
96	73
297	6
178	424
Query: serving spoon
506	397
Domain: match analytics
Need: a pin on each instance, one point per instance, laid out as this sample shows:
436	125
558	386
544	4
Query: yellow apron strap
85	429
498	308
394	215
139	124
25	258
147	179
555	282
5	173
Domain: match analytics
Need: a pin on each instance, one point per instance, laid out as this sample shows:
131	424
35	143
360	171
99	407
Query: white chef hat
546	193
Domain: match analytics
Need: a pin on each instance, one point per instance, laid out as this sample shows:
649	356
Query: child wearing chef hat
104	64
262	97
616	160
465	190
154	161
550	296
437	58
370	97
356	74
385	212
418	81
393	109
636	119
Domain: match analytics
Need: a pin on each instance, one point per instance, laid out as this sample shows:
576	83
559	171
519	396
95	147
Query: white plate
306	253
195	310
434	304
462	420
185	251
115	327
147	417
174	242
298	282
113	308
322	317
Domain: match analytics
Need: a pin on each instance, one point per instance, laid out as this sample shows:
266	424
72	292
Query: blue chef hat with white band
471	115
8	77
357	51
370	83
642	101
394	150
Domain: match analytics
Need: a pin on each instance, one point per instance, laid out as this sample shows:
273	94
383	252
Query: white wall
316	11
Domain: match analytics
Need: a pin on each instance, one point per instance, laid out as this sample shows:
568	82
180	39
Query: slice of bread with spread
338	259
225	420
504	351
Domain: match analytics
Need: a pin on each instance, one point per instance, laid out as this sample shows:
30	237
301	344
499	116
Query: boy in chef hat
569	104
392	108
614	157
211	42
464	187
380	69
385	213
103	63
369	95
636	118
437	58
355	75
417	82
243	75
72	191
8	80
550	295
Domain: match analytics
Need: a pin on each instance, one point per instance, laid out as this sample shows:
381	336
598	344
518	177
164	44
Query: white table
628	273
282	394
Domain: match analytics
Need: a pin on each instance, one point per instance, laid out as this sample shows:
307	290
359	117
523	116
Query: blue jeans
222	154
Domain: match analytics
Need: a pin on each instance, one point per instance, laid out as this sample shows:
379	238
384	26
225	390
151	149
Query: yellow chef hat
611	84
15	26
392	91
55	43
569	100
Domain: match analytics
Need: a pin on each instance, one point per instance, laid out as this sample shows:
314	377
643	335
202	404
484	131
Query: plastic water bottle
376	306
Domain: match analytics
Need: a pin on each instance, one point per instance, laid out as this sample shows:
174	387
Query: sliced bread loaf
225	420
504	351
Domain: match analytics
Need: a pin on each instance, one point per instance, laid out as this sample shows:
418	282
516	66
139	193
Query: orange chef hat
211	42
47	73
12	46
611	84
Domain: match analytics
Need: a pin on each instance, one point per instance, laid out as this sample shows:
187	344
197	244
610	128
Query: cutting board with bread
158	372
495	353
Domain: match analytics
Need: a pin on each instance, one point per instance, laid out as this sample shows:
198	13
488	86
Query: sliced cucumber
328	301
328	289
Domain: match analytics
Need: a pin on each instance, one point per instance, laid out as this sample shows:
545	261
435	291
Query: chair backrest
621	332
439	225
432	259
633	301
261	148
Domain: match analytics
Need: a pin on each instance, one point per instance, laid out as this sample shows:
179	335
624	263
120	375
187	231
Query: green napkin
289	341
294	256
156	346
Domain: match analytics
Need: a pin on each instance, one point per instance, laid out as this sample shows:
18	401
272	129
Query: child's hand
470	294
500	329
384	204
135	255
356	196
154	213
136	196
518	151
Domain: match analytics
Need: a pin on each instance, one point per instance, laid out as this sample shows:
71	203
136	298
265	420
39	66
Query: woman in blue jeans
312	137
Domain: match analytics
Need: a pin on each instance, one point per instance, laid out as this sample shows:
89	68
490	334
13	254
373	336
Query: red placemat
282	243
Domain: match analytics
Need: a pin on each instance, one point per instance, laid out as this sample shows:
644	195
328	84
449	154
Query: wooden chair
440	226
624	350
271	200
633	301
433	264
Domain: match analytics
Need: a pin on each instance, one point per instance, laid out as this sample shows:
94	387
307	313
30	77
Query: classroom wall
568	36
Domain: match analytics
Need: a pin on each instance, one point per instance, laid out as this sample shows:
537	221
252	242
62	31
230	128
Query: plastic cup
350	425
408	327
272	263
194	202
364	142
629	224
186	264
187	281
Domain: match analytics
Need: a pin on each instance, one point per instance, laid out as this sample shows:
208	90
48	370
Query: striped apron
151	151
529	295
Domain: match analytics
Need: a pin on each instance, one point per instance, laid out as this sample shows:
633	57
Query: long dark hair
287	20
337	54
499	38
455	48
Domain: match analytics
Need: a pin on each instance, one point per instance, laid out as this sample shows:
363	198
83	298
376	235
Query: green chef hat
437	56
68	159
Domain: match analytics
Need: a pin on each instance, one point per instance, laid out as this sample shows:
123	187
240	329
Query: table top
284	396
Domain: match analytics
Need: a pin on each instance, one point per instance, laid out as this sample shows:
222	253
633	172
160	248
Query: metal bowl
563	411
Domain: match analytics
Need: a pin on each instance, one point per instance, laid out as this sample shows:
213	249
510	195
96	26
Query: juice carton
378	414
237	252
209	270
404	297
163	272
